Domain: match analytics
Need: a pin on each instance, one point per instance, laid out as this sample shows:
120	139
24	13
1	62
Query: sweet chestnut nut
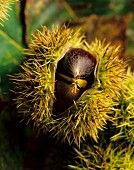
74	75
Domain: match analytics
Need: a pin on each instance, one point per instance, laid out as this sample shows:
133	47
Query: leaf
11	49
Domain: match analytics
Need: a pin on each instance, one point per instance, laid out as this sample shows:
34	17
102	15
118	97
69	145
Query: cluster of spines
4	9
117	151
52	44
123	118
111	158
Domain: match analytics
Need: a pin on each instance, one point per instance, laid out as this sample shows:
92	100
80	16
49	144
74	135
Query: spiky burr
67	86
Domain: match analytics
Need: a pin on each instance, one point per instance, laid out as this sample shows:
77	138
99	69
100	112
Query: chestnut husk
37	87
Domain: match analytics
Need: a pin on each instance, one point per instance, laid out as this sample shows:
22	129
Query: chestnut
74	75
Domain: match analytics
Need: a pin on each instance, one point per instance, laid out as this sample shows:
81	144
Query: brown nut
74	75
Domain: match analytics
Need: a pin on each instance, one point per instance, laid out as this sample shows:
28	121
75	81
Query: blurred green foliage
11	48
101	7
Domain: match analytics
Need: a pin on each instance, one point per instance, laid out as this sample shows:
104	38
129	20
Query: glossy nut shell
74	75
